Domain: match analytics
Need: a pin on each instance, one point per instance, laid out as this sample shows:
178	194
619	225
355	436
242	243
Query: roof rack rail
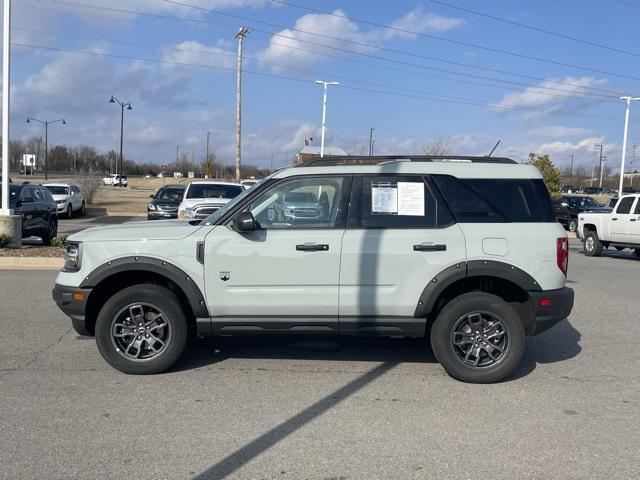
327	161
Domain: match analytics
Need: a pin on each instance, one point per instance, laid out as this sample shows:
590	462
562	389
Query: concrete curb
31	263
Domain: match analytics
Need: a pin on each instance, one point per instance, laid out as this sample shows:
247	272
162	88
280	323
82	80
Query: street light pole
324	111
207	161
371	141
46	124
624	139
600	163
122	107
240	36
6	56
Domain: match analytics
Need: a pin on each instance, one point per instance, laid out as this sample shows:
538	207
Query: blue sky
410	88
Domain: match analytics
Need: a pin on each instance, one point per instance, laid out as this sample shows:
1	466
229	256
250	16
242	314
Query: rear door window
400	201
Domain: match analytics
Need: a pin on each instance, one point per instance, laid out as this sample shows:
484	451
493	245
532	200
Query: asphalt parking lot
315	408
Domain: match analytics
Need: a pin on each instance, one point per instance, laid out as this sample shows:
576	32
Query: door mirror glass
244	222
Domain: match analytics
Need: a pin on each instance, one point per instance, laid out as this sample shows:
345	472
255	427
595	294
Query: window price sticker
397	198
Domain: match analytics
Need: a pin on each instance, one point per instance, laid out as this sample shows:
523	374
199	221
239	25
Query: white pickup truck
619	229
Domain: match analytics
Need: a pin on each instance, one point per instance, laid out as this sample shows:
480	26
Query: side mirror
565	205
151	196
244	222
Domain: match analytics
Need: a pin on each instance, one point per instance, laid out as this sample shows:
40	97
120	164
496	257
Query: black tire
637	252
592	244
488	306
164	301
573	225
51	232
69	211
83	209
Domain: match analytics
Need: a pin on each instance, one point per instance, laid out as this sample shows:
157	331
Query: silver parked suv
464	250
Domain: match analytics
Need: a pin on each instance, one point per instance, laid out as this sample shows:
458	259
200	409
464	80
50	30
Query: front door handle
429	247
614	219
312	247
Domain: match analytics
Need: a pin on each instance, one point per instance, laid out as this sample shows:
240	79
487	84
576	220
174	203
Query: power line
402	52
456	100
624	2
530	27
537	89
426	35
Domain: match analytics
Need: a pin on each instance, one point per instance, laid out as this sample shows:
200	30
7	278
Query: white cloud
568	147
554	94
196	53
284	47
559	131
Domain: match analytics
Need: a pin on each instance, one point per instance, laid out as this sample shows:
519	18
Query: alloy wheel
480	339
140	332
589	244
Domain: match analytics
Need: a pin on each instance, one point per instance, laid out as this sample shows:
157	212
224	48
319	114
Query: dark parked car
165	202
568	207
592	190
38	210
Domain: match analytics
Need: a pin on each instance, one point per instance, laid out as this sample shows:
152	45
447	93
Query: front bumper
157	215
73	302
551	307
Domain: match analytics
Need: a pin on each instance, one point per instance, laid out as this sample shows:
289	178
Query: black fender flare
473	268
155	265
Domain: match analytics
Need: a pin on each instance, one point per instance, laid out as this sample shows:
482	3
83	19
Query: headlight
72	257
290	211
61	201
152	206
189	213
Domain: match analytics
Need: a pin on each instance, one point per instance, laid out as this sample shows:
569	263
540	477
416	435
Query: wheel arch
499	278
121	273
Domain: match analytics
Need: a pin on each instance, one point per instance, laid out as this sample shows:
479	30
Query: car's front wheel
69	211
142	329
83	209
478	338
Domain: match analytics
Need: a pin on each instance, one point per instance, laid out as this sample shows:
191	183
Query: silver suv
465	251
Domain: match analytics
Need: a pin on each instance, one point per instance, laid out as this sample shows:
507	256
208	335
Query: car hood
157	201
302	205
192	202
157	230
60	197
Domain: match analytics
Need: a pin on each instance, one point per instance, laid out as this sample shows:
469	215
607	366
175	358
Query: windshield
170	193
58	190
583	202
213	218
213	190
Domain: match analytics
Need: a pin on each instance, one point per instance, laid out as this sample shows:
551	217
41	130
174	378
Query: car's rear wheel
478	338
51	231
142	329
637	252
573	224
592	245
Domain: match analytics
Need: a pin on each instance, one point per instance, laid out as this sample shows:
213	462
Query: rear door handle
312	247
429	247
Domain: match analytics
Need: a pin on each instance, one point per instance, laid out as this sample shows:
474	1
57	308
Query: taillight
562	254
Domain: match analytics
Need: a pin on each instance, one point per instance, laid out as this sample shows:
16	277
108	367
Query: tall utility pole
240	36
208	160
371	141
571	171
6	62
624	139
600	162
177	153
46	124
123	105
324	111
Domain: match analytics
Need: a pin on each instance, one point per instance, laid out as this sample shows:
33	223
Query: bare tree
437	146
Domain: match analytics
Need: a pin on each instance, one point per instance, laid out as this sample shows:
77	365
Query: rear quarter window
497	200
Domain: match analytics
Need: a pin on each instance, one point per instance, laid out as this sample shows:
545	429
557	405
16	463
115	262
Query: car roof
58	184
213	182
455	168
174	185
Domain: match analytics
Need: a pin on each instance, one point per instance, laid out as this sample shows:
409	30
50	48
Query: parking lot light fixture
128	106
46	124
624	139
324	110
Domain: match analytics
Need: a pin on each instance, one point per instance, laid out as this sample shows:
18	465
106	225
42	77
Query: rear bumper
551	307
73	306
